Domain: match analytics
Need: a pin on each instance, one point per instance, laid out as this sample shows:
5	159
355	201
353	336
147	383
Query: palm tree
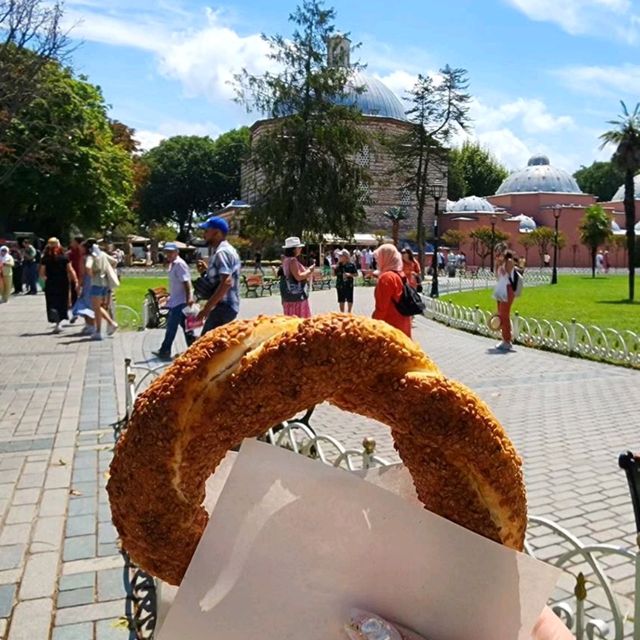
595	230
626	137
396	215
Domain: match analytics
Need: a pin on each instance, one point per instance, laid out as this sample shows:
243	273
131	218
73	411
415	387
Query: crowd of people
78	282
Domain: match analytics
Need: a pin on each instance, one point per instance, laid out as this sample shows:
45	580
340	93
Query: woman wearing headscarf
57	273
6	266
389	288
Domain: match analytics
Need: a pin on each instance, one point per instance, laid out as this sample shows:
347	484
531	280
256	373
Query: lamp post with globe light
493	240
436	191
554	273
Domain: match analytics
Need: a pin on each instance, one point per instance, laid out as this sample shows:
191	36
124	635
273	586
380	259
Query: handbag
291	290
204	288
410	302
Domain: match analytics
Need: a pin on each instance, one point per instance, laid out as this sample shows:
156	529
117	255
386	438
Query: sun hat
292	243
53	242
4	248
345	253
170	246
495	322
216	222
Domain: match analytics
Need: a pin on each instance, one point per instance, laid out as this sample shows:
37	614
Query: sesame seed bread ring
244	377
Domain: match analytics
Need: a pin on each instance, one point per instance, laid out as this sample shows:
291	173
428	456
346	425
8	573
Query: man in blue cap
223	273
180	296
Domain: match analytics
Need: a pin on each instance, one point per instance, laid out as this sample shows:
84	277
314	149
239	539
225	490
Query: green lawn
131	293
600	301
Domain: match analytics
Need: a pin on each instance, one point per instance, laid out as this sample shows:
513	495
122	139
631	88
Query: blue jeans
175	319
221	314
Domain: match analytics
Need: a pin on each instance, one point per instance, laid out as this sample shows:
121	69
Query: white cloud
532	114
586	17
152	138
399	81
202	57
602	81
506	146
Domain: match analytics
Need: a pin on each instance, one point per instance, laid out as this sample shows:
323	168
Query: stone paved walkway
60	571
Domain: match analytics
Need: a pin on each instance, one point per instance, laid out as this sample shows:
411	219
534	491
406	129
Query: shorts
99	292
345	294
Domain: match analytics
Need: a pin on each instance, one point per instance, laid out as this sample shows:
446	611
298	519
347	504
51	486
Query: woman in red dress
389	288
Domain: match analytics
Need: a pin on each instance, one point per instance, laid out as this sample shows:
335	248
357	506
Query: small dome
615	226
449	205
539	176
537	161
637	227
618	196
471	203
373	97
527	224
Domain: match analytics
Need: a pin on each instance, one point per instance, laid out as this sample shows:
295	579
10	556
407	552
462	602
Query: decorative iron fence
571	338
585	599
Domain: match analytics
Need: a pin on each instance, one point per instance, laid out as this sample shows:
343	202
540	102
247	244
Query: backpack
517	282
410	302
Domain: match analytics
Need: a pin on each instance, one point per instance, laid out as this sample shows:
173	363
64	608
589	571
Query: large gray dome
539	176
618	196
471	203
375	99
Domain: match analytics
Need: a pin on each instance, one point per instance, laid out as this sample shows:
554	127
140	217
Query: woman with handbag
410	268
294	281
504	294
103	281
390	287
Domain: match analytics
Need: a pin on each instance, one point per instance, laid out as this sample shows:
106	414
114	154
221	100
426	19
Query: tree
437	108
396	215
601	179
486	239
626	137
231	149
453	238
31	37
595	230
544	238
78	175
527	241
456	186
304	161
481	173
181	182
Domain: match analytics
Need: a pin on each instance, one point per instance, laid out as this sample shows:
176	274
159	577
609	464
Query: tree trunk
630	222
395	232
594	251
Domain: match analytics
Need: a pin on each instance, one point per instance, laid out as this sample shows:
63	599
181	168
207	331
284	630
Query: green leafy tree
63	166
304	161
527	241
181	182
544	238
456	186
595	230
437	108
602	179
626	137
481	173
231	149
396	215
31	37
485	241
453	238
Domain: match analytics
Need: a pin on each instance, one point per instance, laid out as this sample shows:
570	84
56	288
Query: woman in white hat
6	268
294	280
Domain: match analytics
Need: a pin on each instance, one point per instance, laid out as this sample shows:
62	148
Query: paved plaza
60	570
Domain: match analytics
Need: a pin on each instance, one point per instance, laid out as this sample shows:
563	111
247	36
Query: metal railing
585	600
570	338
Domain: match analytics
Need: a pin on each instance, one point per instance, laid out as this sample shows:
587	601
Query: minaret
339	51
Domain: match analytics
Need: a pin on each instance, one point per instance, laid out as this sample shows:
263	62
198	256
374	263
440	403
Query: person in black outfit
346	272
258	263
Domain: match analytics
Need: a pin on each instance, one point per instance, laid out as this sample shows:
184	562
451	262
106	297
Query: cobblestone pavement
60	571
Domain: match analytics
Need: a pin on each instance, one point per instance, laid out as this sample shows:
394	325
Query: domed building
618	196
384	117
539	177
471	204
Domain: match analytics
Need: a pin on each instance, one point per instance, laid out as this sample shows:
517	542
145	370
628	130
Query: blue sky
546	75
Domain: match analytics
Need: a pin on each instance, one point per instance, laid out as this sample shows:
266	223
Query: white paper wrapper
294	545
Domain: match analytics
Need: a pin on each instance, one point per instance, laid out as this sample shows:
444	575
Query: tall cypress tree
304	162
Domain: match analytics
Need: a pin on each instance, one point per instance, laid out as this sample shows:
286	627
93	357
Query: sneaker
57	329
96	336
162	355
112	328
87	330
73	320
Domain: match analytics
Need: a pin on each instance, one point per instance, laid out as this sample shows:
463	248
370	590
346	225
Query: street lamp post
493	240
554	273
437	190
